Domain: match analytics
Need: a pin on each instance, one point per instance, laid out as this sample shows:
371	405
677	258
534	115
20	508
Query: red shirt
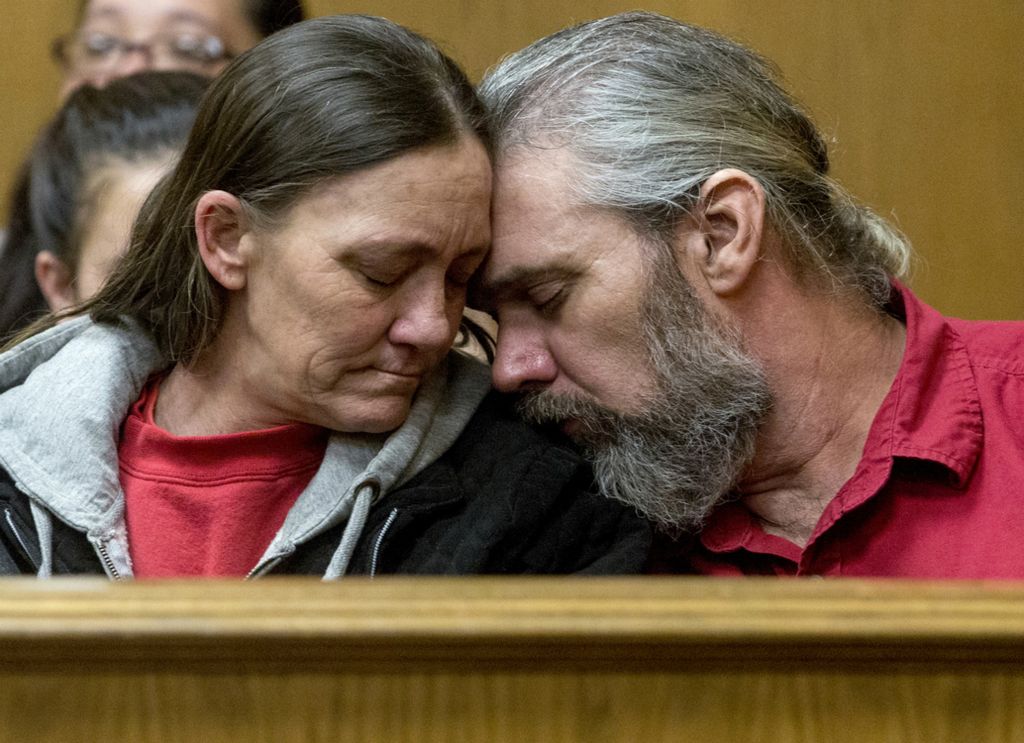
209	505
939	491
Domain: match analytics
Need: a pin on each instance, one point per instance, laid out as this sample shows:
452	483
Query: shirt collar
933	410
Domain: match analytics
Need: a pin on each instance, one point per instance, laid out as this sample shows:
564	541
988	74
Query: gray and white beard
681	455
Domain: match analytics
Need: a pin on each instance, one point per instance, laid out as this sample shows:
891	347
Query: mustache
594	424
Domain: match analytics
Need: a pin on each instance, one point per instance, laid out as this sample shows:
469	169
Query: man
680	285
114	38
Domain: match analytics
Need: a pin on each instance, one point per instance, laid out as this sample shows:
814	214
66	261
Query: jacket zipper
380	540
263	570
100	548
17	535
108	563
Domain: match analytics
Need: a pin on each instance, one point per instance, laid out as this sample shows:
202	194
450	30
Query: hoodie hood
63	396
65	393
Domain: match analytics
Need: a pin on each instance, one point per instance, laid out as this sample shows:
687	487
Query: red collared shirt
939	491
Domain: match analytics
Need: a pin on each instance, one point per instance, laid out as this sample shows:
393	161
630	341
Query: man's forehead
532	199
541	231
550	168
533	210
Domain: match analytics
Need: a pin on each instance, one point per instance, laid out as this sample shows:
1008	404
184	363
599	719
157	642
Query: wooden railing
484	659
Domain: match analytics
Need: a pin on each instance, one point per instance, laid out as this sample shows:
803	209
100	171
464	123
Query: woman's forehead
222	16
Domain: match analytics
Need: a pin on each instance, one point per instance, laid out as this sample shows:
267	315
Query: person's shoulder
531	482
497	430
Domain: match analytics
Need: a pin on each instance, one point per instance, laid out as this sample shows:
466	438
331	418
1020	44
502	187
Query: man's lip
570	427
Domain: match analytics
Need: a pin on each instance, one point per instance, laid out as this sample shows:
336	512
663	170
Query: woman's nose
428	322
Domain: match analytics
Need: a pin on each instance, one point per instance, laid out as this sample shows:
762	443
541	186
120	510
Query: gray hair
651	107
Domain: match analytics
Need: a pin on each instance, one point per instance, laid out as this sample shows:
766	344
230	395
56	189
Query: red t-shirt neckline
209	505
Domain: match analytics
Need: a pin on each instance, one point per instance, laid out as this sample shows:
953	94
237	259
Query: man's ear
221	223
722	241
55	281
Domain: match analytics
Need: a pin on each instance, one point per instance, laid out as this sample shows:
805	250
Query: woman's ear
723	240
221	223
55	281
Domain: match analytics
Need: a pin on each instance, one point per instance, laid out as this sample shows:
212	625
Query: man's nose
521	361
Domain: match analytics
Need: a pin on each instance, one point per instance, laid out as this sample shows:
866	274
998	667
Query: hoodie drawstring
366	493
44	528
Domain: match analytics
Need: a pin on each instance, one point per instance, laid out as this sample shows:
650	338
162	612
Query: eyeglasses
94	52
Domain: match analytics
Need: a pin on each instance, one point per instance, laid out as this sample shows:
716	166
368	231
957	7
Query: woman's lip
407	373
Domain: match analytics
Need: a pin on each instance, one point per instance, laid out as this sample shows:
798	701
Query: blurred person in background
266	383
115	38
88	174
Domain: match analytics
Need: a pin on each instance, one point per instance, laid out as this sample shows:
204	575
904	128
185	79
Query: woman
265	384
115	38
81	186
87	176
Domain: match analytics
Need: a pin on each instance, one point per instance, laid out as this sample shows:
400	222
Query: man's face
605	336
162	34
565	283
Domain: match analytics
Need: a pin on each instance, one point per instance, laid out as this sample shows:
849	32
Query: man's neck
830	366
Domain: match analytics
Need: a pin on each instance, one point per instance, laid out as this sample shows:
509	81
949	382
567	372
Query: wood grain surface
651	659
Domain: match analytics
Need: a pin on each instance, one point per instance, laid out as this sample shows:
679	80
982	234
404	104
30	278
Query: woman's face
117	192
159	33
114	193
358	294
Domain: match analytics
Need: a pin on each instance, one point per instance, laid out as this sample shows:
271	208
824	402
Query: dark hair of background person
132	118
270	16
266	16
319	100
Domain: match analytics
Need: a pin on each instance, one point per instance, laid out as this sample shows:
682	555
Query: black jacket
505	498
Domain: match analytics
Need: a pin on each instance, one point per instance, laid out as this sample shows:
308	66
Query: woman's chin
377	416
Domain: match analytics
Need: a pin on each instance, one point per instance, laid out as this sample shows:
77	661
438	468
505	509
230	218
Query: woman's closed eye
378	280
380	276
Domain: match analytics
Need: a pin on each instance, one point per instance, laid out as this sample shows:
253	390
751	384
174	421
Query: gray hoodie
65	392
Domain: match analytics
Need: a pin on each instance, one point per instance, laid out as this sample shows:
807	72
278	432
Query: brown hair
136	118
321	99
